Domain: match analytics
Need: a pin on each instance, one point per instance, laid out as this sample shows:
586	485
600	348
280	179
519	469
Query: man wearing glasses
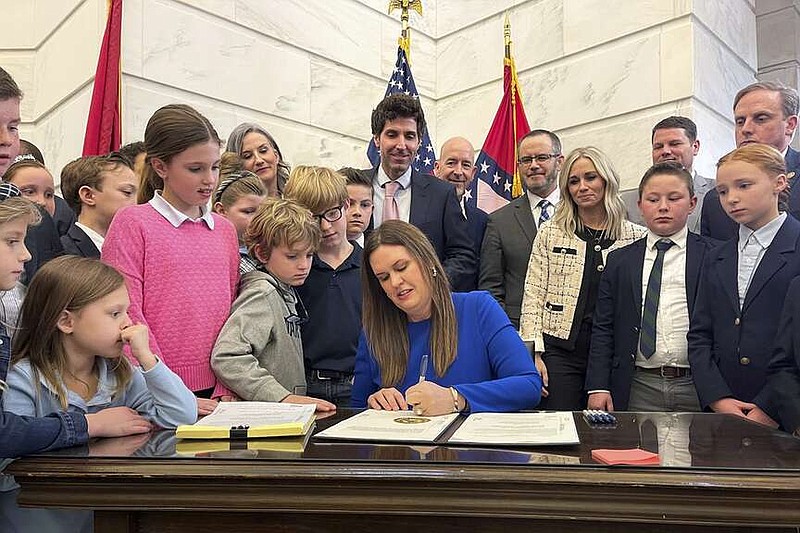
511	230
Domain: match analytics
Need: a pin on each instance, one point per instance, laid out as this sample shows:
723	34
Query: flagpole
405	34
516	184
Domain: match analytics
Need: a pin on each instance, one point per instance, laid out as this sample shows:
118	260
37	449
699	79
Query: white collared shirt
402	196
96	238
534	199
175	217
672	320
752	245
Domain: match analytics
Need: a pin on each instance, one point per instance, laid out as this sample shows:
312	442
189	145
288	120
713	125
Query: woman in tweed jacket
567	259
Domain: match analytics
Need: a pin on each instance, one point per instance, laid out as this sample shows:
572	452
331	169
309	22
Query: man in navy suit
784	368
424	201
623	373
766	113
456	164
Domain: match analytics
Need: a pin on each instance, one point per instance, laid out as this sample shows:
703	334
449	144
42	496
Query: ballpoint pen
423	368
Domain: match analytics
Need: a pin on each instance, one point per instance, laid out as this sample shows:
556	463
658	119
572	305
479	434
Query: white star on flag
484	167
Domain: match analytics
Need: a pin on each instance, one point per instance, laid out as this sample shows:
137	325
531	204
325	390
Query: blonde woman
567	259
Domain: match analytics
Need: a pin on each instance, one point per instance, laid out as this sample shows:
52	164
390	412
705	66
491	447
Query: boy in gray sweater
259	351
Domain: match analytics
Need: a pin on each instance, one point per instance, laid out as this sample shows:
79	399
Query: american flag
402	81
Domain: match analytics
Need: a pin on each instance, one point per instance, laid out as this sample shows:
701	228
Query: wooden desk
729	474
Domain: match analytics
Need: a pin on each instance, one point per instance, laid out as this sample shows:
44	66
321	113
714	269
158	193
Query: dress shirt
96	238
672	320
402	196
175	217
534	199
752	245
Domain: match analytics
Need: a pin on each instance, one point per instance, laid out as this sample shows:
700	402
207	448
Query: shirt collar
764	235
404	180
554	197
678	238
175	217
106	384
95	237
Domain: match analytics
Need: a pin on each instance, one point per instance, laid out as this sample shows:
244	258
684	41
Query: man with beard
456	164
511	230
400	192
674	139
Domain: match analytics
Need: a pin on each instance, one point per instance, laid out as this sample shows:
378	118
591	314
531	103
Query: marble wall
597	72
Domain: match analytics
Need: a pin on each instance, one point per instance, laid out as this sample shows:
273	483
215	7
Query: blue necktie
647	335
544	216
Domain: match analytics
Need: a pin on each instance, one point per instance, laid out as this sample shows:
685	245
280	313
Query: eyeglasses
540	158
331	215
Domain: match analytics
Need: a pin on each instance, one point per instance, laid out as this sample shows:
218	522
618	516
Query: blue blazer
730	348
618	315
783	380
76	242
716	224
435	211
476	227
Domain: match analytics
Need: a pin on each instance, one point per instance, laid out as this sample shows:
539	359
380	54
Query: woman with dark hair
478	362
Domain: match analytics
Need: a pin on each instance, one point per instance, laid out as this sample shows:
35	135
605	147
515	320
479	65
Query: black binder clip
239	432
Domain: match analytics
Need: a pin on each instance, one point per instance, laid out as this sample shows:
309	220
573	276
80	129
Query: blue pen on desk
423	368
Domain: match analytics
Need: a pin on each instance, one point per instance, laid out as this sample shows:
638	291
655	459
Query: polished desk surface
715	470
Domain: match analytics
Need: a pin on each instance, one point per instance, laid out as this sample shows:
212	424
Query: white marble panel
733	22
132	36
210	57
341	99
455	15
597	84
60	134
350	36
20	64
68	59
475	55
588	23
716	138
18	35
225	9
424	24
423	56
625	139
719	74
677	50
778	37
769	6
48	14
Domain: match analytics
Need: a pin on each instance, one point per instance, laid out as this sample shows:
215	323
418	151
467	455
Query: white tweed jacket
554	278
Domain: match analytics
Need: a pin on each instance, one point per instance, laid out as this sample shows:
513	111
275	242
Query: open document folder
509	429
248	420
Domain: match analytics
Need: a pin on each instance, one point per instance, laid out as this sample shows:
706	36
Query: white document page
257	414
524	429
389	426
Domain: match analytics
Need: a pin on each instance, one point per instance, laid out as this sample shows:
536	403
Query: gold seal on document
412	420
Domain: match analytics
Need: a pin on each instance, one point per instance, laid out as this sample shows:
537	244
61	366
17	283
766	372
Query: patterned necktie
390	210
647	336
544	216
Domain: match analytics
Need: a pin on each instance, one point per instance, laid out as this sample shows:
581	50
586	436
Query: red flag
497	178
104	128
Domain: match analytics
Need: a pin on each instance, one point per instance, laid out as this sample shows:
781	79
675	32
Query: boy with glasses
332	291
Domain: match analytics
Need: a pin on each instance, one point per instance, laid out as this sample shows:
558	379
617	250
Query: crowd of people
232	276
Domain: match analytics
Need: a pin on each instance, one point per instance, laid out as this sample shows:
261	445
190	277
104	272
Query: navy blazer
476	226
783	380
715	223
730	348
436	212
618	315
76	242
43	242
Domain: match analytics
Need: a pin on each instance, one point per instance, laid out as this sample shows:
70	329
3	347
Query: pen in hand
423	369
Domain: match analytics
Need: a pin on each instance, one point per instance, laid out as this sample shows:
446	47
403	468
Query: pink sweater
181	283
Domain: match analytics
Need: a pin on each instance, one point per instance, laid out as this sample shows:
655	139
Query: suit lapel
420	198
524	216
773	260
635	265
695	253
727	270
83	242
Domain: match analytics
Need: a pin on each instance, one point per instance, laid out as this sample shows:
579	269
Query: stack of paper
389	426
247	420
634	456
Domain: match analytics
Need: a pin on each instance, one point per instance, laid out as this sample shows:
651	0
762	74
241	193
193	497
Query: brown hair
236	140
17	207
86	172
385	324
766	158
22	163
171	130
66	283
671	168
790	102
316	188
235	182
279	222
8	87
354	176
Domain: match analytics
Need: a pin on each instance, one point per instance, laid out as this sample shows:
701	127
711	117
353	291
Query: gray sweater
259	352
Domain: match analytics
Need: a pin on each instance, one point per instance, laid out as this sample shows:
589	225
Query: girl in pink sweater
180	261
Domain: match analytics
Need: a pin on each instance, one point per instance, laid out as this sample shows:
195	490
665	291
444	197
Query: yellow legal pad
249	420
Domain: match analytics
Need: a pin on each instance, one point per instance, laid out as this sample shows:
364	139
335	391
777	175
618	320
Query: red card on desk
634	456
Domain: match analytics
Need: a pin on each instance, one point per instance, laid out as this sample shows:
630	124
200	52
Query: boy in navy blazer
95	188
638	359
784	368
743	286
